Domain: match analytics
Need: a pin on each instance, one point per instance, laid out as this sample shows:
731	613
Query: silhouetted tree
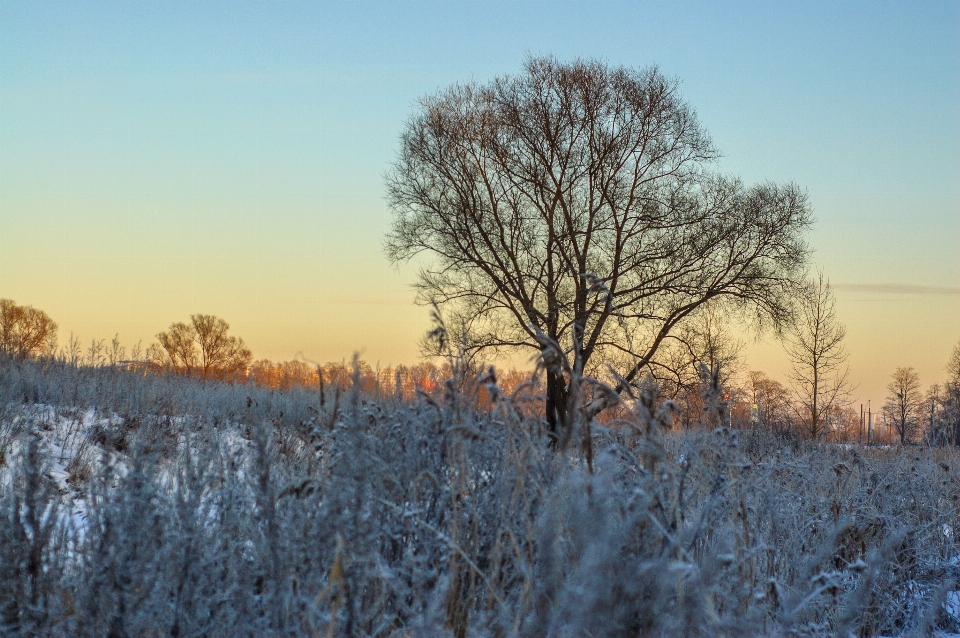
818	373
572	208
705	338
904	403
203	349
951	392
25	332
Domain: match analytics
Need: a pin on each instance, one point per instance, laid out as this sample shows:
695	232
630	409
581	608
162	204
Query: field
135	505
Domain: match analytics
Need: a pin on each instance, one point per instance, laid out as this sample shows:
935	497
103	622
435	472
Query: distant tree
203	349
935	421
264	372
842	423
96	353
115	352
707	338
771	406
283	375
571	211
953	366
72	352
25	332
951	395
818	372
904	404
704	339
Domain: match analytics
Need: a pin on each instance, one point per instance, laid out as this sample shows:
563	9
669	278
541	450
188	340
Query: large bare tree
572	207
818	373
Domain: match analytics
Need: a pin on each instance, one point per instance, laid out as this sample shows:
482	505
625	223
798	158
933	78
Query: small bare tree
96	353
904	403
202	348
116	352
72	352
818	374
25	332
707	338
570	211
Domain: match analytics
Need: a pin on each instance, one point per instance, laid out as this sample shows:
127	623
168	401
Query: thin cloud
899	289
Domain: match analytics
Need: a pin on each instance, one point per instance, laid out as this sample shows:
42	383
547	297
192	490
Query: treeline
401	381
204	349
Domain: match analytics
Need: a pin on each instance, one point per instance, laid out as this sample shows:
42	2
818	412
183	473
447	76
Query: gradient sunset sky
162	159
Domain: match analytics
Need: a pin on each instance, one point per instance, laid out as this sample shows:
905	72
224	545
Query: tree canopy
575	207
202	348
25	331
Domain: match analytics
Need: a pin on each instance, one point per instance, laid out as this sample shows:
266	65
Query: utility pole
869	424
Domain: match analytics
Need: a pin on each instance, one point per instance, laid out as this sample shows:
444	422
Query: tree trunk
556	406
956	432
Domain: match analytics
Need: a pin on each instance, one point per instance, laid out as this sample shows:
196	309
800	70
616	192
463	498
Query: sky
163	159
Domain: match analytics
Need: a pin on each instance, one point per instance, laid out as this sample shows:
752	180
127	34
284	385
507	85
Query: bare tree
904	404
72	352
96	353
935	411
25	332
953	371
707	339
572	208
770	404
202	348
951	398
818	372
116	352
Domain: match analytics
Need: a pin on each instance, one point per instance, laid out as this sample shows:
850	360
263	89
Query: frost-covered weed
212	510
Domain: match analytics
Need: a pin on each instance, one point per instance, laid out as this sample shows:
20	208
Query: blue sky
162	159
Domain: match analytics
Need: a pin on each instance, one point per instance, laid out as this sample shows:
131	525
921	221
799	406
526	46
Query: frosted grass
148	506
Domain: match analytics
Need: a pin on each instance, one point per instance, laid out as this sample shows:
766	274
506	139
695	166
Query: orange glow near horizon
917	331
